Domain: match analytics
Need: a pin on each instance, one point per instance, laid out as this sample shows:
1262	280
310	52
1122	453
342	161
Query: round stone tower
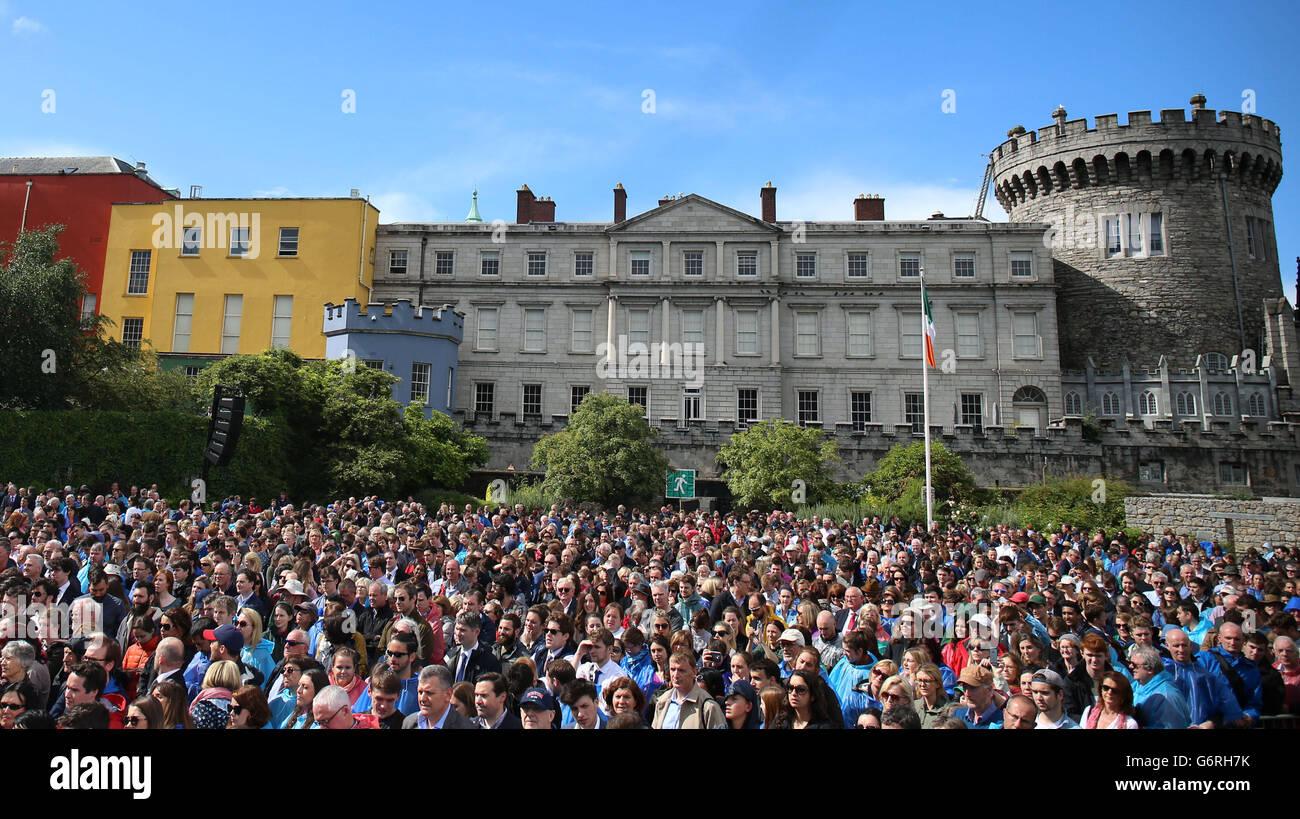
1162	230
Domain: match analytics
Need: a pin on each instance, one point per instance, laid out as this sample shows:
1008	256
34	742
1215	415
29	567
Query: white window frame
579	262
1155	233
1073	404
909	327
807	327
799	395
492	398
281	322
1185	403
183	318
576	344
1223	403
535	266
1112	235
1111	406
636	315
534	337
742	319
240	242
977	351
915	414
692	404
438	260
962	404
133	339
573	393
231	323
747	254
1256	406
864	334
803	258
420	387
646	406
494	329
191	241
1016	335
758	405
523	398
640	256
857	425
964	256
395	269
137	280
89	301
849	265
686	264
1148	403
280	251
689	334
1020	257
488	258
910	256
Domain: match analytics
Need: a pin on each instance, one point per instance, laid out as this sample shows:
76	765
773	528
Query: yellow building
204	278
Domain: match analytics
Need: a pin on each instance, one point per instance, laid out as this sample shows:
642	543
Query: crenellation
1139	119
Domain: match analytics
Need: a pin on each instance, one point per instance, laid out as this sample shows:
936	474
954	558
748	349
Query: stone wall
1244	523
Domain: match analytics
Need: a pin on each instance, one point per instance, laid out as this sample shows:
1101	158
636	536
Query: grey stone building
701	313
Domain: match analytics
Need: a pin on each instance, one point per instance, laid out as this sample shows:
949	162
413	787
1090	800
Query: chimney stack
668	197
620	204
544	210
139	169
524	200
869	208
768	195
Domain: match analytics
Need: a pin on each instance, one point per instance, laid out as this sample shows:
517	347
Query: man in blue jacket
1209	698
1158	699
1241	675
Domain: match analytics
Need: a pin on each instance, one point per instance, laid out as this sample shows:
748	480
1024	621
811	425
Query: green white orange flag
929	327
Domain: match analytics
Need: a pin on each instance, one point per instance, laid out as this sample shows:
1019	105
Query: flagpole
925	392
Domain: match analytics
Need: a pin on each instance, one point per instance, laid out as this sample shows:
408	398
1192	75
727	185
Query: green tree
903	470
1088	503
763	462
349	434
606	454
44	342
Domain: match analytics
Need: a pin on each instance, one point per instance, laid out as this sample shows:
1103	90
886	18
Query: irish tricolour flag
928	319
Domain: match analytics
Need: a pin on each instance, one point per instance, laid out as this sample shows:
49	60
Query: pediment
693	213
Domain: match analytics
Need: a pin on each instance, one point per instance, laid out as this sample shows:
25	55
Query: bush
905	463
1070	500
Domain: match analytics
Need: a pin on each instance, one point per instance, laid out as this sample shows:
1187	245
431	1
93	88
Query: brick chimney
869	208
524	205
666	200
544	210
620	204
768	195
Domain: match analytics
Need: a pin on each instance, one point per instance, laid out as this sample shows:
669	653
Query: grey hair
335	698
1147	657
438	672
24	653
470	620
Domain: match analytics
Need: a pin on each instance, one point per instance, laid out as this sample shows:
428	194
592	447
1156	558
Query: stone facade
1262	458
1242	523
824	313
1166	180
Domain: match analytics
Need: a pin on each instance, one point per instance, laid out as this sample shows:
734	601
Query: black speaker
223	429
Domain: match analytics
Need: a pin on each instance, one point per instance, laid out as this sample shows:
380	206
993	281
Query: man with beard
141	606
508	648
111	612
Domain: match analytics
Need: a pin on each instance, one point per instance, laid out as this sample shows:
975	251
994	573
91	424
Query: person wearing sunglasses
15	699
144	713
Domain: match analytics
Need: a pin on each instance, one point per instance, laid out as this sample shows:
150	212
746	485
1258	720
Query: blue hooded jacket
1160	703
844	679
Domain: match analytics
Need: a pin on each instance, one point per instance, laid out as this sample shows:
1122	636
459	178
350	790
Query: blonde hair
222	674
255	622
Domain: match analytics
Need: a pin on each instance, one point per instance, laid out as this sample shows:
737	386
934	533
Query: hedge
61	447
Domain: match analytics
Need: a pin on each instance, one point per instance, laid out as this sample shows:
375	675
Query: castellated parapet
400	316
1163	241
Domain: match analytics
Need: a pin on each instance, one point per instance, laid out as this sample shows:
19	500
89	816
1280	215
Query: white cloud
24	26
400	206
277	192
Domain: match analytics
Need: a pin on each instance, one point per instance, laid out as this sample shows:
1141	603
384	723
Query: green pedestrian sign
681	484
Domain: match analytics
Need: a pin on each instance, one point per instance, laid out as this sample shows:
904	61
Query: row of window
857	264
231	324
859	331
748	404
1230	472
1184	403
240	241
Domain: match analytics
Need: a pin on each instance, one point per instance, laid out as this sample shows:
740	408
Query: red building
76	192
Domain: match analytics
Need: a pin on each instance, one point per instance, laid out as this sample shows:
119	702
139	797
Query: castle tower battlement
1162	237
400	316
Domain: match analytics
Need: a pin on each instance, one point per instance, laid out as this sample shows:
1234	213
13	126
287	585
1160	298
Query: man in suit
435	703
556	643
740	583
490	694
469	658
169	660
846	618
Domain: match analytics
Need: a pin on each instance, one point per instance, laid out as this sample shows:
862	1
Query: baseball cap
1050	677
1293	604
975	675
229	636
792	635
1019	597
538	698
1037	600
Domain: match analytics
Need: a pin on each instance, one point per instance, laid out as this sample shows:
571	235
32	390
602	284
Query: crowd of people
122	611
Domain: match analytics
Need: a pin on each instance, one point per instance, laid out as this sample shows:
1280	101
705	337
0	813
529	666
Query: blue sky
825	100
